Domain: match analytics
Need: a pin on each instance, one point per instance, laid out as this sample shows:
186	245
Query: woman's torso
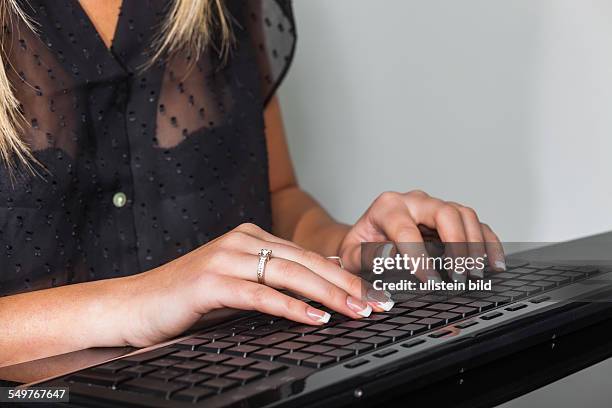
141	166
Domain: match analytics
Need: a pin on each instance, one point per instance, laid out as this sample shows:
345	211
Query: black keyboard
260	353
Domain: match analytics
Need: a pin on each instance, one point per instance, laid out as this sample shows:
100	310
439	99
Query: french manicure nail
317	315
458	277
386	306
358	306
500	265
434	278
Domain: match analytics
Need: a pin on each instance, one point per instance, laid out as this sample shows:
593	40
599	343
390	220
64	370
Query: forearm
301	219
63	319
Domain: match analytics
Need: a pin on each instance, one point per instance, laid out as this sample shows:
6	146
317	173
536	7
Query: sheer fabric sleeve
271	27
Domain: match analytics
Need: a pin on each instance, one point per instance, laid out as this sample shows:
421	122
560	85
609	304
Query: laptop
257	360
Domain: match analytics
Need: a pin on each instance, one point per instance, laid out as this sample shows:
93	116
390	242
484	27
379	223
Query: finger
245	295
475	237
325	269
495	249
258	232
390	216
286	274
443	217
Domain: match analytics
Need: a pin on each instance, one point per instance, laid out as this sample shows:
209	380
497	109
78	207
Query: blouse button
119	199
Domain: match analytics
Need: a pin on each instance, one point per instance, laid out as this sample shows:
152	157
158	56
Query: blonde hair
188	27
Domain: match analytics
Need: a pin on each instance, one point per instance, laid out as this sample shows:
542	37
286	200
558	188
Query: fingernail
477	273
386	306
386	250
317	315
458	277
378	295
359	307
500	265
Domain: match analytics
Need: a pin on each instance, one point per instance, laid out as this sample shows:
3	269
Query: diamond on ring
264	257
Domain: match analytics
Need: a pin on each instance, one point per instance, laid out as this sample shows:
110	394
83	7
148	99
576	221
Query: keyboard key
163	362
240	362
291	345
303	329
216	346
498	300
491	316
215	335
339	341
421	313
340	354
194	394
318	361
413	304
396	335
432	298
244	376
152	386
139	370
440	333
353	324
360	334
395	311
311	338
190	344
465	310
213	358
99	378
383	326
268	367
149	355
466	324
242	350
239	339
375	317
331	331
481	305
441	306
358	348
295	358
273	339
448	317
268	353
544	284
220	384
385	353
190	365
193	378
216	370
429	322
377	341
413	343
165	374
515	307
460	300
317	349
113	366
186	354
413	328
356	363
400	320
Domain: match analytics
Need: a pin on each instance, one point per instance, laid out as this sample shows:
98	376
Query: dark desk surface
588	387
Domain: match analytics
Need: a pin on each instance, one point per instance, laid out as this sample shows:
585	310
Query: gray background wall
502	105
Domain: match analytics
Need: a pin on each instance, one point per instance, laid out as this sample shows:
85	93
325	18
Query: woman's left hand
404	219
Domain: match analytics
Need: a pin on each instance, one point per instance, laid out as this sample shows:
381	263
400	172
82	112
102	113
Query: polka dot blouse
140	166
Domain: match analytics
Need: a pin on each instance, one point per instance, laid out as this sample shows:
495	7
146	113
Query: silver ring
264	257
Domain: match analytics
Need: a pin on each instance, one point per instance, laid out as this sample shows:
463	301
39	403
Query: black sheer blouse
140	167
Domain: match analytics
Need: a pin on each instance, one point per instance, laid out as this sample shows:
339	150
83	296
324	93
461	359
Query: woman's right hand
222	274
